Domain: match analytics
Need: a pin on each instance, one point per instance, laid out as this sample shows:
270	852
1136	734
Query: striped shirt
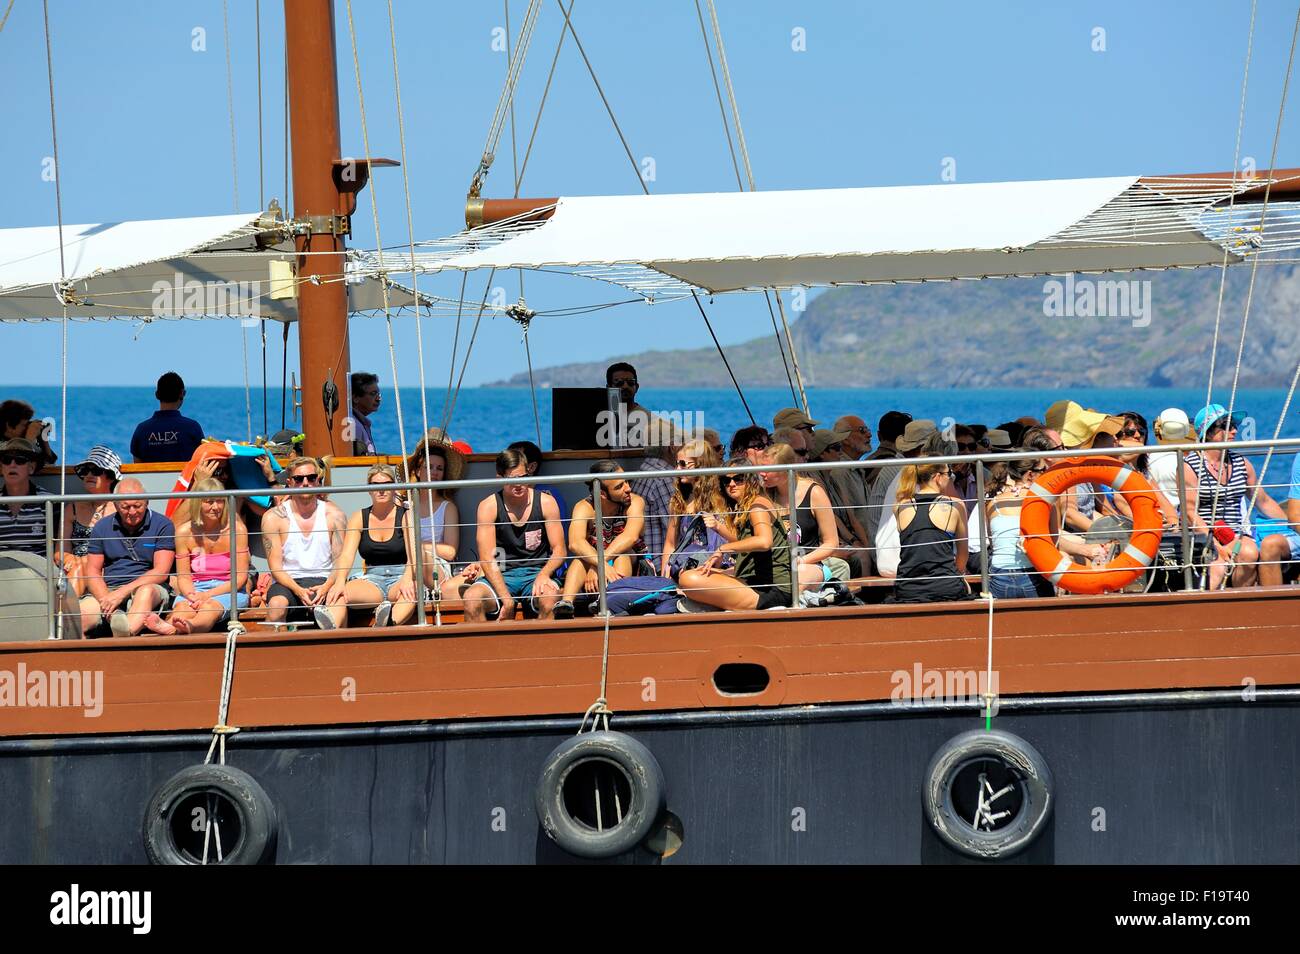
26	531
1230	494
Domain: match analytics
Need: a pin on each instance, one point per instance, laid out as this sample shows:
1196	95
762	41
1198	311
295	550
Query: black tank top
810	535
927	566
524	545
392	552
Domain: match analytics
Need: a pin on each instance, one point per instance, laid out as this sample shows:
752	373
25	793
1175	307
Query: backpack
694	546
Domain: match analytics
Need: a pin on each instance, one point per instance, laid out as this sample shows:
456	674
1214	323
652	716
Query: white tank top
431	527
308	553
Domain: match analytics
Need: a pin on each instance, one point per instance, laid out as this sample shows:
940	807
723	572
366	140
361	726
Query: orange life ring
206	449
1143	543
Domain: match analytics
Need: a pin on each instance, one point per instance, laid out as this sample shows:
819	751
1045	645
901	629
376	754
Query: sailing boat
859	733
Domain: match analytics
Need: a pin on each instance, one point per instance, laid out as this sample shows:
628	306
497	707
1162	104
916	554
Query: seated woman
203	566
1011	574
815	533
99	473
761	579
382	534
931	536
691	496
433	460
623	517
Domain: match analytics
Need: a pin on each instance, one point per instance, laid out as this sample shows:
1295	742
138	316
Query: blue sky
881	95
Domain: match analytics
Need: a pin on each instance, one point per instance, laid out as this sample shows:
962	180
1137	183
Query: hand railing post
576	566
231	518
985	543
792	534
1185	528
418	558
50	571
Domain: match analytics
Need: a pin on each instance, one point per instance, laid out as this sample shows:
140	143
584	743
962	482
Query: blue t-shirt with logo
166	437
128	556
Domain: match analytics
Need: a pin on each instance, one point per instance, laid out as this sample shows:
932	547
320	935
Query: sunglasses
1039	470
305	479
800	451
834	448
863	430
734	478
1132	432
15	459
759	443
625	383
90	470
966	445
686	463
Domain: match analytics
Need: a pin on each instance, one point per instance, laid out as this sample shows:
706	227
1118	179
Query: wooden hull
853	654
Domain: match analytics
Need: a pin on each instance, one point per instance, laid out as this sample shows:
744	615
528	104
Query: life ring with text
1143	542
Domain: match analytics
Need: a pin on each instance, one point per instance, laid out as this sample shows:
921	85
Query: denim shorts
382	577
202	586
1018	584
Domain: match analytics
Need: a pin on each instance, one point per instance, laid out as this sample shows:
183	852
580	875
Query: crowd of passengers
670	543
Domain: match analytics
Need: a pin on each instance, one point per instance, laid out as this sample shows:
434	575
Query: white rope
599	710
506	101
248	394
230	104
220	730
379	244
528	151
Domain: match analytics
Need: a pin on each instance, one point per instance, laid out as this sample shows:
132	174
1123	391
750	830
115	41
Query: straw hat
1079	425
436	441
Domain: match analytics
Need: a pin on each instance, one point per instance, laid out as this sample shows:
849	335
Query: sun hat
1081	425
103	458
435	441
19	445
1173	427
998	439
823	438
1212	414
915	434
792	417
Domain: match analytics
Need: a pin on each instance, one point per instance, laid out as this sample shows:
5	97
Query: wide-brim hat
915	434
105	459
19	445
1212	414
1082	424
998	439
1173	427
435	441
792	418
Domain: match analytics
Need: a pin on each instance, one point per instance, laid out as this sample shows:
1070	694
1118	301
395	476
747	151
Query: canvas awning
210	266
749	240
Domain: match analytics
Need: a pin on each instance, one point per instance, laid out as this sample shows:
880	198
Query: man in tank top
303	538
521	546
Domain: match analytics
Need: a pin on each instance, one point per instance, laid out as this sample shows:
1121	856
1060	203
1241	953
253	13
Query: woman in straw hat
435	459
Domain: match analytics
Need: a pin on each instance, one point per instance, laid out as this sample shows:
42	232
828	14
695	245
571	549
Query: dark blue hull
1161	778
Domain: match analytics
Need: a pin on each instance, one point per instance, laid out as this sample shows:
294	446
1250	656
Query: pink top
209	566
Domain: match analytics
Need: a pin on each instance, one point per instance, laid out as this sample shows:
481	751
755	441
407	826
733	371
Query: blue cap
1210	415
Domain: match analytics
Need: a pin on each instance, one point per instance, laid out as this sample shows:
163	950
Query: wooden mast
322	308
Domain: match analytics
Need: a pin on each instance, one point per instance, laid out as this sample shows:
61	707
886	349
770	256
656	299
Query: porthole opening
741	679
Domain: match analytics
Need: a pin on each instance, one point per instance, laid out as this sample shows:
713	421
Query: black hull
1182	778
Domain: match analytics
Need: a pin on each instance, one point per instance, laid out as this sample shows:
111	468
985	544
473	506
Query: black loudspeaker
578	415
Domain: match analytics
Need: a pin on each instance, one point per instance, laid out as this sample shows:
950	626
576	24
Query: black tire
616	762
241	802
1016	763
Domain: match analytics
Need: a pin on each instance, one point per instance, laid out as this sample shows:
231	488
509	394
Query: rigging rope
248	394
5	19
740	184
261	166
1254	265
749	174
230	103
379	244
505	103
696	298
528	151
63	289
455	347
599	89
455	395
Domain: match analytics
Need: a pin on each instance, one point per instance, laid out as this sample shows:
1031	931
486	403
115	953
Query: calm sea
490	418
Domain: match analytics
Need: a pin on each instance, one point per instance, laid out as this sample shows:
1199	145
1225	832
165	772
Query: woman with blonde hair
203	565
931	536
692	495
758	541
814	532
382	535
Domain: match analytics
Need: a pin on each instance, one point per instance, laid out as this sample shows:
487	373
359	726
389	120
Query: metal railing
979	461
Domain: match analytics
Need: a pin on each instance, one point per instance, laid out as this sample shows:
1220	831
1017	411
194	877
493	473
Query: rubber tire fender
1037	788
259	823
648	800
